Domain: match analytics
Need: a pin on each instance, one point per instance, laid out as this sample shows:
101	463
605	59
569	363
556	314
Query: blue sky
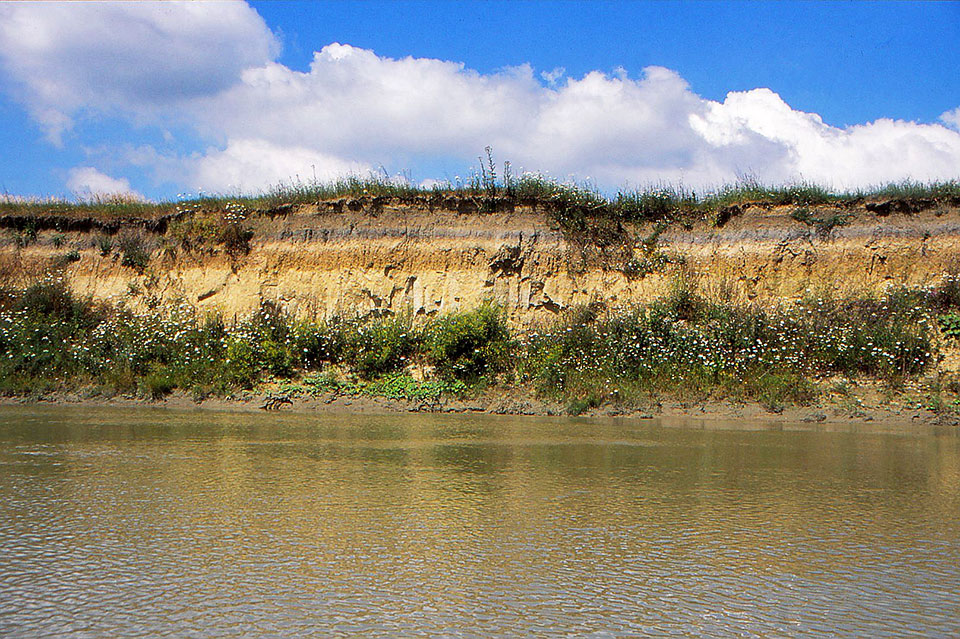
161	100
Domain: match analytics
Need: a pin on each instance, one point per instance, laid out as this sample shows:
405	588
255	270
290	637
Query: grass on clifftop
658	202
683	345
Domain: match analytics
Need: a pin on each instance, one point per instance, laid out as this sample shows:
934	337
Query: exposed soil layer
430	255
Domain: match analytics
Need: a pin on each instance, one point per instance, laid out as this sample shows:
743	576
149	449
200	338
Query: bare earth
866	406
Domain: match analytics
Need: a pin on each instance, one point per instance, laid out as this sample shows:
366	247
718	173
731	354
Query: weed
950	325
104	243
135	250
157	384
824	225
70	257
581	405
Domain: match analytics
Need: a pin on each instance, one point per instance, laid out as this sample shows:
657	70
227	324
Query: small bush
316	344
52	300
235	239
469	345
824	225
243	363
946	294
135	251
206	228
26	236
380	345
104	244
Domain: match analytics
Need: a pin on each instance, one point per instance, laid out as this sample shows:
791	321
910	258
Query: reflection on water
126	523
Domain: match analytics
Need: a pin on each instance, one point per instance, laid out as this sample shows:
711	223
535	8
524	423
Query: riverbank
863	404
783	304
686	350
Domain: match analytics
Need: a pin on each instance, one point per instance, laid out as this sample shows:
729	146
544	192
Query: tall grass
652	202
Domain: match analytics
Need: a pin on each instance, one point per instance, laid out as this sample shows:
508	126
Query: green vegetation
950	325
202	227
823	224
135	249
683	345
468	346
489	187
395	385
702	348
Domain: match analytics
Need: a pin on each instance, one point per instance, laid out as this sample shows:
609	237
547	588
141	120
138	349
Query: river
126	522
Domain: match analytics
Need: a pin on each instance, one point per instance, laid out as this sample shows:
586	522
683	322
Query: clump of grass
135	250
104	244
71	256
823	224
912	190
580	405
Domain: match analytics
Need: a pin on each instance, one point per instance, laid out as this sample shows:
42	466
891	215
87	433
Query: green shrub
379	345
52	300
316	344
104	243
243	362
470	344
135	251
950	325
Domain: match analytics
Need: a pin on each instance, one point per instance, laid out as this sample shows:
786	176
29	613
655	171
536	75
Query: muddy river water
124	522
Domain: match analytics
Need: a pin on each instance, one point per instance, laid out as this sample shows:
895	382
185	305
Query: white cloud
211	66
355	104
552	77
87	182
139	58
249	165
951	118
804	147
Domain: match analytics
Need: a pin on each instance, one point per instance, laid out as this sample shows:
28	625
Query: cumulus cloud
87	182
355	104
249	165
213	67
137	58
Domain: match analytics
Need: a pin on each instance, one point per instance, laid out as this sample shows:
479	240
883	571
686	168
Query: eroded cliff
389	256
